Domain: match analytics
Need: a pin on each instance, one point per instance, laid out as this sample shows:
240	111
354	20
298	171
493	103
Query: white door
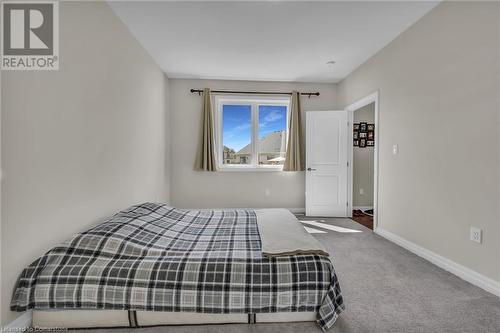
326	163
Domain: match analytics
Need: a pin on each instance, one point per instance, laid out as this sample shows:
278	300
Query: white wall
166	181
2	306
192	189
80	143
362	162
439	100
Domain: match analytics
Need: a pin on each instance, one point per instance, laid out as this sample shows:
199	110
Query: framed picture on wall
363	135
355	135
371	127
371	135
355	143
355	127
363	127
362	143
370	143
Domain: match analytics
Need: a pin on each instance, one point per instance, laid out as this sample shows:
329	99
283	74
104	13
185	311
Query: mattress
155	258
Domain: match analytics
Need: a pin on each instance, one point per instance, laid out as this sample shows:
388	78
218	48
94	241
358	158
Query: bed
152	264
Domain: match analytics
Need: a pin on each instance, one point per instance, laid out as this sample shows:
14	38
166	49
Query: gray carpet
386	289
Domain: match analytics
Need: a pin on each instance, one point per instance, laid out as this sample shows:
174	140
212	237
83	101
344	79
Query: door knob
311	169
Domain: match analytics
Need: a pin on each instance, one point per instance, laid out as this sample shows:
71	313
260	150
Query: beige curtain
205	159
294	158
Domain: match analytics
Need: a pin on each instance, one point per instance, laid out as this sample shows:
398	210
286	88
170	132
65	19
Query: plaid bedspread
152	257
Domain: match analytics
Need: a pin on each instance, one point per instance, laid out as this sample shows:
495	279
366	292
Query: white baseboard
20	323
363	208
453	267
292	210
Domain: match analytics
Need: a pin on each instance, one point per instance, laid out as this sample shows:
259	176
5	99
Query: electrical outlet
361	191
476	235
395	149
267	192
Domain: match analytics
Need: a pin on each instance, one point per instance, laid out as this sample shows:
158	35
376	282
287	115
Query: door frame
372	98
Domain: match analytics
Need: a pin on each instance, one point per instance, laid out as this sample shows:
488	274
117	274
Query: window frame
254	102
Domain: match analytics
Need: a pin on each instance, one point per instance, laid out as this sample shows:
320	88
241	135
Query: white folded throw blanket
281	234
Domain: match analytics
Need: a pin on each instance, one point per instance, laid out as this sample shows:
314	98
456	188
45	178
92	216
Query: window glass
272	134
237	134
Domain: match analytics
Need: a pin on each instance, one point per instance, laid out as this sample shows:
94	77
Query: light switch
395	149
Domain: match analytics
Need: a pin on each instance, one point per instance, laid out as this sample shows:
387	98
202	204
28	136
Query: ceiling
269	40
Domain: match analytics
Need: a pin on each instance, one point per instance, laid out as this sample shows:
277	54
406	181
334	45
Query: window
251	133
236	133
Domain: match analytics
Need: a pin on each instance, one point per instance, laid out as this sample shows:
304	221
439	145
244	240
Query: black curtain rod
309	94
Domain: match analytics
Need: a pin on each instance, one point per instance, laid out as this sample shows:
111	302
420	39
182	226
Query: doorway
363	166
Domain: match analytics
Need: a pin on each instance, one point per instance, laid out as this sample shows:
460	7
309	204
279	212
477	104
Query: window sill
251	169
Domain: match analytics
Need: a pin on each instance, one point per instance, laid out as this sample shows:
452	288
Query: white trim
363	208
372	98
293	210
20	323
297	210
453	267
251	168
